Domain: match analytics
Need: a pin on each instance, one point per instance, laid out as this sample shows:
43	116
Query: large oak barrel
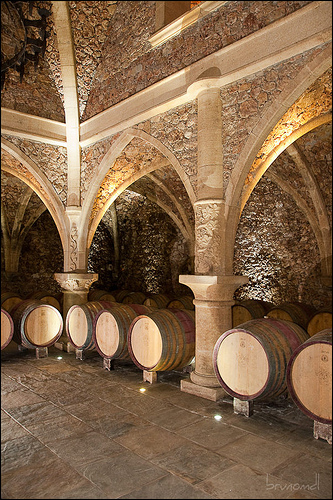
80	323
296	312
309	376
248	309
184	302
159	300
36	324
9	300
97	294
134	298
320	320
250	361
162	340
111	327
7	328
48	297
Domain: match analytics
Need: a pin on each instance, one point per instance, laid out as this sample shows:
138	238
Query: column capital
75	281
203	85
213	288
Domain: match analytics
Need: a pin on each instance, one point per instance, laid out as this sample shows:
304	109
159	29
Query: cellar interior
168	150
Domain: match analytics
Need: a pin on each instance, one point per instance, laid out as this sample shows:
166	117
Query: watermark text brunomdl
293	486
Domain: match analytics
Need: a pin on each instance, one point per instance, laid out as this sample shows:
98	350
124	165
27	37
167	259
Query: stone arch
91	219
240	185
31	175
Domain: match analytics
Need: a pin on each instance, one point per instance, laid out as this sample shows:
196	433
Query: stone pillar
75	286
213	284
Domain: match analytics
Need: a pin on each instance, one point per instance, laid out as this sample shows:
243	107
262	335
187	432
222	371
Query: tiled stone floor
72	429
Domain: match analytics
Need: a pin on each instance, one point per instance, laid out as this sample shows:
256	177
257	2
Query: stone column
213	284
75	286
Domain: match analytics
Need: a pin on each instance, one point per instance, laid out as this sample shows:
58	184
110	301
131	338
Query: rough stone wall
129	64
276	248
41	257
152	250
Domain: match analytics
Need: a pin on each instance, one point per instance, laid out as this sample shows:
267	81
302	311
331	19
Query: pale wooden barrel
9	300
320	320
184	302
36	324
80	323
7	328
47	297
159	300
296	312
250	361
309	376
97	294
246	310
162	340
111	328
134	298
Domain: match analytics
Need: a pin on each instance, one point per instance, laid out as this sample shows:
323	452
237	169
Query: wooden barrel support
36	324
250	361
162	340
7	328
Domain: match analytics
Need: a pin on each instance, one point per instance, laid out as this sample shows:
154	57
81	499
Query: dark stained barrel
36	324
250	360
162	340
320	320
9	300
248	309
309	376
295	312
134	298
184	302
7	328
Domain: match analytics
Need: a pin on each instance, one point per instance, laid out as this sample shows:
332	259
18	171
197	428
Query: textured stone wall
276	248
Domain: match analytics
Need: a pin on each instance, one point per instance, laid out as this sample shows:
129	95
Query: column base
211	393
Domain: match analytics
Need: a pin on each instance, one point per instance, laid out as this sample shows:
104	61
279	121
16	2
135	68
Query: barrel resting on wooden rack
309	381
250	360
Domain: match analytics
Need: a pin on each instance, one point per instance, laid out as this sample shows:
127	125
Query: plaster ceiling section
284	167
90	24
38	94
137	156
316	146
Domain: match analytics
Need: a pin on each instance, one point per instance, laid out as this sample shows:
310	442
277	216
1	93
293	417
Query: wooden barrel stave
296	312
36	324
7	328
159	300
134	298
47	297
9	300
309	376
246	310
162	340
184	302
250	361
320	320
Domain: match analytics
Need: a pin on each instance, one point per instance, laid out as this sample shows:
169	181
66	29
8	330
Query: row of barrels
31	323
264	358
311	319
155	339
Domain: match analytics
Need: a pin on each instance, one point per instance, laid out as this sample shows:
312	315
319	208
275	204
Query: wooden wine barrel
184	302
134	298
309	376
9	300
80	323
7	328
162	340
47	297
97	294
159	300
250	361
295	312
120	294
246	310
111	327
320	320
36	324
